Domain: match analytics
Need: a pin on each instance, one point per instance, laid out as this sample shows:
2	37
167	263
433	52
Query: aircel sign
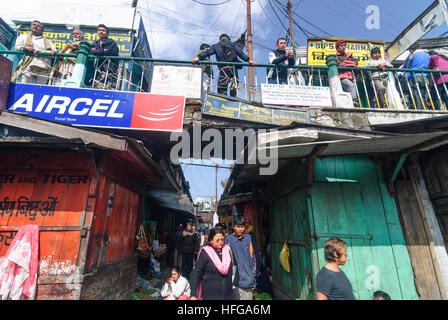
98	108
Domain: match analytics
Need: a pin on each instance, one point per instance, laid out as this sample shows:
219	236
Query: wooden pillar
428	214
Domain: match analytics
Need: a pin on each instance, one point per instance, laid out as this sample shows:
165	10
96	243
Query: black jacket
217	50
188	243
214	285
108	44
280	59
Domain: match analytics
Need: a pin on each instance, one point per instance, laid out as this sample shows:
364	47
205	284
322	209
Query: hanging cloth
18	269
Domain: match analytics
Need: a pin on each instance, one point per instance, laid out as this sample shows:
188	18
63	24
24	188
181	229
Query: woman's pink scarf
222	265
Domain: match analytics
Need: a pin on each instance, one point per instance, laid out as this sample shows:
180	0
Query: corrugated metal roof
392	144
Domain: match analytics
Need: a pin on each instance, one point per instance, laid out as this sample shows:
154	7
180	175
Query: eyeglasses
219	240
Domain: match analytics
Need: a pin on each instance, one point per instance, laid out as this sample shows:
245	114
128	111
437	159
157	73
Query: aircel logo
65	105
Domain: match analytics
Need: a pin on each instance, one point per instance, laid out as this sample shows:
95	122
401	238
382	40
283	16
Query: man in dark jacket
279	57
105	47
246	258
227	74
188	244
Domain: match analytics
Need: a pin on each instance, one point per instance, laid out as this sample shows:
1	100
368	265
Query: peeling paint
57	268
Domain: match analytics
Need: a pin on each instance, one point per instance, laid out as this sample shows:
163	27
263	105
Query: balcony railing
407	89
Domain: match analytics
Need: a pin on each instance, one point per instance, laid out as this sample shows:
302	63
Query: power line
210	4
281	5
206	165
267	17
280	20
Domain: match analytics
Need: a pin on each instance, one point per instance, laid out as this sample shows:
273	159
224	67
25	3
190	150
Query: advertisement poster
170	79
319	48
98	108
222	107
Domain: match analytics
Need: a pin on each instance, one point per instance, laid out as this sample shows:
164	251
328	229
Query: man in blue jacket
418	59
246	258
225	51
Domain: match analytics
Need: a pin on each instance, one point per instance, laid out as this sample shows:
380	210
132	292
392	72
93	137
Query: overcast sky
176	28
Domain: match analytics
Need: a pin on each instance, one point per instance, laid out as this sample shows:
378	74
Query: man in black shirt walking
332	283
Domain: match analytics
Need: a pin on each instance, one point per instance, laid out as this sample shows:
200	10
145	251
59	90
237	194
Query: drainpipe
79	71
341	99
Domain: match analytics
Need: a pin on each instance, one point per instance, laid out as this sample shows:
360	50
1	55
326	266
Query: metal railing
400	89
396	89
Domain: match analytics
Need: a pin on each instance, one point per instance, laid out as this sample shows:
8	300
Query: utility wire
281	5
267	17
210	4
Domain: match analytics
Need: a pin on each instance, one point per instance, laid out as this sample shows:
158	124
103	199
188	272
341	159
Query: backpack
228	50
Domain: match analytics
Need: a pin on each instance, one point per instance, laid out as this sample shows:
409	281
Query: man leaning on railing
226	51
279	57
34	69
64	66
346	59
418	59
105	47
379	78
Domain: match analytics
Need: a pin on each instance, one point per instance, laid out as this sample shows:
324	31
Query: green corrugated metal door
341	210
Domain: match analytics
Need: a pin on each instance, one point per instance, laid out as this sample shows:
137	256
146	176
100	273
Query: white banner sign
292	95
175	80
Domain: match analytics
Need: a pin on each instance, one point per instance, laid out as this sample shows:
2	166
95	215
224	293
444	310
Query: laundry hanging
19	267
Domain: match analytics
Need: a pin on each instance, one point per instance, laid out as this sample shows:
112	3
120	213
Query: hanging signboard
175	80
5	76
319	48
143	50
221	106
7	35
292	95
98	108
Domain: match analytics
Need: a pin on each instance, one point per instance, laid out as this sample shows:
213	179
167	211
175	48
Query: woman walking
211	279
332	283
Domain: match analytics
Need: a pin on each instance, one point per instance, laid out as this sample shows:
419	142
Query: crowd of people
227	267
41	69
419	90
213	266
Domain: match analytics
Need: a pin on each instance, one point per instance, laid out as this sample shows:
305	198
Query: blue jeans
418	86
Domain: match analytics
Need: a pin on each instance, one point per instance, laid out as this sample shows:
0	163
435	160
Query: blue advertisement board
98	108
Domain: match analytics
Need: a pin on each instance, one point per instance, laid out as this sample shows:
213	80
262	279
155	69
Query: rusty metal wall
49	190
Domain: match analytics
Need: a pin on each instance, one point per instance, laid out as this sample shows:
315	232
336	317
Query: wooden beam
398	168
426	144
63	131
310	160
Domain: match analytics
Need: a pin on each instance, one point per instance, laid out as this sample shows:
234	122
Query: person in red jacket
346	59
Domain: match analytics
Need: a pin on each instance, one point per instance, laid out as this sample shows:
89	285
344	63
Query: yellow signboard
320	48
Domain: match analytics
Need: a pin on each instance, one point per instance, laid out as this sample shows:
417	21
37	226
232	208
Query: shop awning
399	144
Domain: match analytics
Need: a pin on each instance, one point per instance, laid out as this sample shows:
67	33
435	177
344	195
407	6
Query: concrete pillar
79	71
341	99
